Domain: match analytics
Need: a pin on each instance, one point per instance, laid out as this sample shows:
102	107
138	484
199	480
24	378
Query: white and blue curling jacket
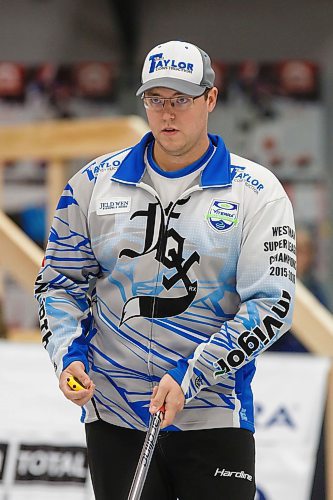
197	290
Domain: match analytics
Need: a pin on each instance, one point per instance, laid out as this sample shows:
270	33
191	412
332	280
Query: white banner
290	395
42	443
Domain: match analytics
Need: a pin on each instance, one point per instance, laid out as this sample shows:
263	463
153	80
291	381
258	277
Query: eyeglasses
179	103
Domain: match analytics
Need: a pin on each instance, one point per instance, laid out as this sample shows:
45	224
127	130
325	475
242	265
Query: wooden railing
19	255
58	142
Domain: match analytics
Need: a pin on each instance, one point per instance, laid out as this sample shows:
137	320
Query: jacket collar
217	172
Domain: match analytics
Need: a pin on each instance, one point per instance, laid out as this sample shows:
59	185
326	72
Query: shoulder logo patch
114	205
222	215
239	174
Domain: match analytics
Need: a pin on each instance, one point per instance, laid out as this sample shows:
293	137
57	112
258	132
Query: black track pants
214	464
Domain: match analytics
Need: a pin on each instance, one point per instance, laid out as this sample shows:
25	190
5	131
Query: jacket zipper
150	190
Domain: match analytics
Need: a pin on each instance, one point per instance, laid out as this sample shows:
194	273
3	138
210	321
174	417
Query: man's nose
168	109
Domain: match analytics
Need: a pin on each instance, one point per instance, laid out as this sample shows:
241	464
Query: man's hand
169	394
78	397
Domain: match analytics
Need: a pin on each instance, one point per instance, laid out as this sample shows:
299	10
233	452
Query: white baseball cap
180	66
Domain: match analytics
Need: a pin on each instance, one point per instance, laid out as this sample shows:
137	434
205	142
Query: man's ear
212	99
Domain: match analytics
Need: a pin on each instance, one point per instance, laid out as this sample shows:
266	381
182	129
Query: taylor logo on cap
158	62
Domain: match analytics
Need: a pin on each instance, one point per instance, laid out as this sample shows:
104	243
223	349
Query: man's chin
170	143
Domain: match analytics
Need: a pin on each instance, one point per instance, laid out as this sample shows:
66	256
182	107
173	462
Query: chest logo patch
115	205
222	215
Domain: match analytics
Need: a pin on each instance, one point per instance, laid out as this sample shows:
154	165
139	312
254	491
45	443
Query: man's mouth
169	130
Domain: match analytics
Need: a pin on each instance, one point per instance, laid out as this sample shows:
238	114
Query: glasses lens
182	102
156	103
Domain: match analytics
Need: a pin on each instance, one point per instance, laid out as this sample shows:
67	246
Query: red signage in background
11	79
93	79
298	78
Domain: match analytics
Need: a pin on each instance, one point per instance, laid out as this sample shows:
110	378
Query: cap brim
174	84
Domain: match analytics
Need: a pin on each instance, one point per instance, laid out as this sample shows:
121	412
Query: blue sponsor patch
222	215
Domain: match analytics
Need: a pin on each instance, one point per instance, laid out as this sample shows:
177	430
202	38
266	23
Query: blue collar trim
216	173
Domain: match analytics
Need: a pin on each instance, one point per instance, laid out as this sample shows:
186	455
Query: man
168	270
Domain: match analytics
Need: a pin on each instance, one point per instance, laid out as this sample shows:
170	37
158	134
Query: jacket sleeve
265	282
63	284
